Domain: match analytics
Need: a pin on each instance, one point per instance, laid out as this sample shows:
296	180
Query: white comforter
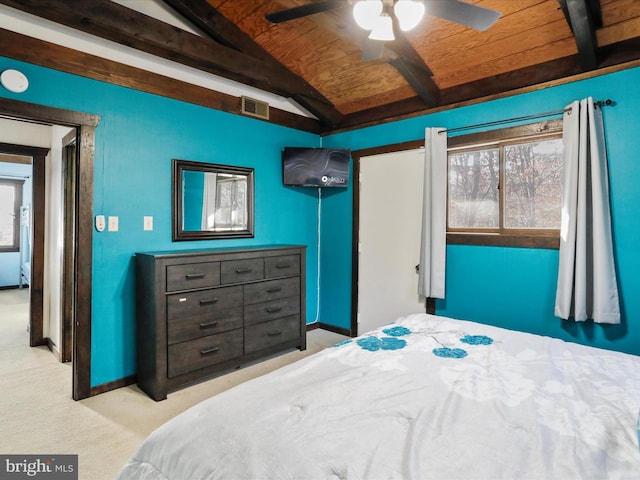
426	397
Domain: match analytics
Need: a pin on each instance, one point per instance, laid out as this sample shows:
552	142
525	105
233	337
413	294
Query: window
231	194
505	186
10	201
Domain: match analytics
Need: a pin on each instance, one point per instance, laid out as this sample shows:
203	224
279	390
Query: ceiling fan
380	14
381	17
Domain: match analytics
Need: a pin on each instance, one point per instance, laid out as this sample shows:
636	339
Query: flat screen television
315	167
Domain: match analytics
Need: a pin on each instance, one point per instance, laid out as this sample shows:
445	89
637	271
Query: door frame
357	156
69	163
85	125
36	255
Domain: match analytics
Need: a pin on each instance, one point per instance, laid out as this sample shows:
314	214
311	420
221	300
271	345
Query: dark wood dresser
200	312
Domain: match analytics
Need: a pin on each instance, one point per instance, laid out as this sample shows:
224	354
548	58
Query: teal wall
137	138
140	133
515	287
193	193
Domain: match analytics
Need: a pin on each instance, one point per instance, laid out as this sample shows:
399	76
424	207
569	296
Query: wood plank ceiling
316	60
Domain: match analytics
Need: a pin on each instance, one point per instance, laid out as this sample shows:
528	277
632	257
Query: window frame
528	238
17	203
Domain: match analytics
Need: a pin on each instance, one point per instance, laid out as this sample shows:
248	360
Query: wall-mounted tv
315	167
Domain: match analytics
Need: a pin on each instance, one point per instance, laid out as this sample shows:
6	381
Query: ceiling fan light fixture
367	12
382	29
409	13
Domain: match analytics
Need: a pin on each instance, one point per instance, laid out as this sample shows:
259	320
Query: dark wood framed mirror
211	201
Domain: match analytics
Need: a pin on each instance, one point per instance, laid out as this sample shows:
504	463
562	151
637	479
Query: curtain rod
552	113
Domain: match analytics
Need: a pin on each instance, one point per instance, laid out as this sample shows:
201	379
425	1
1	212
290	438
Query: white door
389	235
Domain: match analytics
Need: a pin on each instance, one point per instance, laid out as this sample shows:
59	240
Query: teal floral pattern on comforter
425	397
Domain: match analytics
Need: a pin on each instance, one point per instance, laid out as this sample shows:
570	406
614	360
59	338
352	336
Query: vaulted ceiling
316	61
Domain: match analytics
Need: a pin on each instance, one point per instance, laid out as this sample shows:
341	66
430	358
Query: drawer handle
209	351
209	302
194	276
273	309
274	290
243	270
204	326
274	333
283	265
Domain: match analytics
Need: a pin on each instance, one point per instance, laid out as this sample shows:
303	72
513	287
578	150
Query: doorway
82	219
35	261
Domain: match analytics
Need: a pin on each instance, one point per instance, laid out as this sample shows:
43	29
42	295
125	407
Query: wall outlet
113	224
148	223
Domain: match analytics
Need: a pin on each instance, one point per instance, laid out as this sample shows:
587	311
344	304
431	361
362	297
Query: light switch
148	223
113	224
100	223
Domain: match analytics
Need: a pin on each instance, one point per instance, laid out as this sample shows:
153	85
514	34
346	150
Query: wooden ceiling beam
49	55
412	67
398	53
419	79
216	26
582	16
401	55
111	21
120	24
492	86
512	81
620	52
383	113
219	28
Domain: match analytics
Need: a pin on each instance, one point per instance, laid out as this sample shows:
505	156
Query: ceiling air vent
255	108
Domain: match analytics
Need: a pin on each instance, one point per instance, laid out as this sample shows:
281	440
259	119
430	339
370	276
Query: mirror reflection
212	201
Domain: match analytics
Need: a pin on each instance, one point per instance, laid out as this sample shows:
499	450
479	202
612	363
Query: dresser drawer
203	302
181	329
192	275
271	290
267	334
262	312
282	266
188	356
239	271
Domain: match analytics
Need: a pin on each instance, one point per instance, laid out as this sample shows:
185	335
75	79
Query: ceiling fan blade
303	11
371	50
467	14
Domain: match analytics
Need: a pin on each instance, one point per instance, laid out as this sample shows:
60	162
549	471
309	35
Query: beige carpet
39	416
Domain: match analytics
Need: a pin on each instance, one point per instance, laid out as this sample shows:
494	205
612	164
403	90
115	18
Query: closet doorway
387	212
78	284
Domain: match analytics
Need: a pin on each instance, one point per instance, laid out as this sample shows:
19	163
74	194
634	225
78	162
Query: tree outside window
231	210
533	184
506	183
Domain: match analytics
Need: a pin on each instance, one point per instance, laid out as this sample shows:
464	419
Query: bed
425	397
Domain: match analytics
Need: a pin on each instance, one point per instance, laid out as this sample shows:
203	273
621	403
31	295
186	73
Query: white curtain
209	201
431	279
587	287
